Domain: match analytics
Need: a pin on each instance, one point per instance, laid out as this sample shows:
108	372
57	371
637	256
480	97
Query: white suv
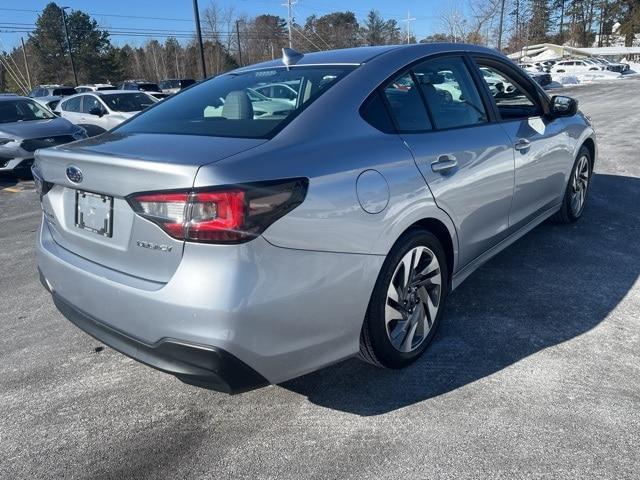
574	66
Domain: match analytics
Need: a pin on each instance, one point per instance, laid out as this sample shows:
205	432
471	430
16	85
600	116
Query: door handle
522	144
444	163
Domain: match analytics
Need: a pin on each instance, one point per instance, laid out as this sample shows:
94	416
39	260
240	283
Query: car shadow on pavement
554	284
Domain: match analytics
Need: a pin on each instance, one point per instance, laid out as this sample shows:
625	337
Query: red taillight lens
221	215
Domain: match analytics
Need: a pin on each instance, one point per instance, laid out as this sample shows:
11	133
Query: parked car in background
51	102
574	66
530	67
52	91
611	66
25	125
278	91
174	85
100	111
239	250
95	87
543	78
143	86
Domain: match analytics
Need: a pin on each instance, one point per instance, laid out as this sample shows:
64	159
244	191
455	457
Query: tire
429	267
568	212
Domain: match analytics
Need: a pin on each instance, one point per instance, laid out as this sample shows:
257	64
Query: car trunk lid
111	168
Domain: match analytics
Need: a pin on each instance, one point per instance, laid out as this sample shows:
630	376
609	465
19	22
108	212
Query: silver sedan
248	246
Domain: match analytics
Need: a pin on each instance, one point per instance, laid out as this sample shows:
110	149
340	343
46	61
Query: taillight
232	214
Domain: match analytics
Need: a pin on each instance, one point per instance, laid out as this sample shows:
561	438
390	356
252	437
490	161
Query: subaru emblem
74	174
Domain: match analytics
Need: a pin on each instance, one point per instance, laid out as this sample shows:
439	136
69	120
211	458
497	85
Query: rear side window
450	93
234	105
406	105
375	113
72	105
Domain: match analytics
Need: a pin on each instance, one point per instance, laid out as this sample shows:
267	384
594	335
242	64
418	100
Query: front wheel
575	197
407	302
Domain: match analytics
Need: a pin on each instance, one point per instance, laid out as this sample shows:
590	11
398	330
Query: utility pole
409	19
26	64
289	4
196	14
500	26
239	46
66	33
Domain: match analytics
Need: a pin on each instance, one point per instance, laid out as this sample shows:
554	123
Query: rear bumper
200	365
281	312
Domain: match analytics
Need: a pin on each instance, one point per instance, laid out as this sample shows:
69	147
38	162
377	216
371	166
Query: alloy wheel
413	299
579	185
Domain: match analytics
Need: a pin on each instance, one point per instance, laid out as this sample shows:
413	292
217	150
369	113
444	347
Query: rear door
71	109
538	142
465	158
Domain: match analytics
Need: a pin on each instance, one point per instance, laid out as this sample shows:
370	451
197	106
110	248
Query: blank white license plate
94	212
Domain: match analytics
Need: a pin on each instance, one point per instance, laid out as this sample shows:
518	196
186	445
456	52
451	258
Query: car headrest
237	106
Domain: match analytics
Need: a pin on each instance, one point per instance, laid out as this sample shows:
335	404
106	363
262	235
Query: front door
539	142
466	160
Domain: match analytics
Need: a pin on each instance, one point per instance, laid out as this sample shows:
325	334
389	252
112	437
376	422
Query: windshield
22	110
128	102
227	106
148	87
61	92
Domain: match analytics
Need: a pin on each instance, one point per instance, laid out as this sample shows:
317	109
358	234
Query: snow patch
584	77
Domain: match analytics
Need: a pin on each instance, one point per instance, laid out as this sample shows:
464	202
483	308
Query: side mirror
562	106
97	111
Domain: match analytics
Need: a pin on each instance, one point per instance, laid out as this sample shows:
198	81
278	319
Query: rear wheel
407	302
575	197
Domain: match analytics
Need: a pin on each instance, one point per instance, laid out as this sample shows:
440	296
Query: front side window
511	99
450	93
72	105
91	104
22	110
227	106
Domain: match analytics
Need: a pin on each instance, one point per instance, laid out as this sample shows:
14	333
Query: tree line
232	39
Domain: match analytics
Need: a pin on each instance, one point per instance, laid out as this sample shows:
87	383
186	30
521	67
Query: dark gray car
25	126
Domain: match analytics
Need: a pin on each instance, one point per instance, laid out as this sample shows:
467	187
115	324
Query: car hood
37	128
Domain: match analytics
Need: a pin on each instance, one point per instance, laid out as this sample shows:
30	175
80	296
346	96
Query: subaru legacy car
25	126
240	249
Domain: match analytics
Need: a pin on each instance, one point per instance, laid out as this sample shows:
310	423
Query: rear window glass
128	102
237	104
61	92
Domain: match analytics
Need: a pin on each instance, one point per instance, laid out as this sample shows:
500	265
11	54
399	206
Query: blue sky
114	14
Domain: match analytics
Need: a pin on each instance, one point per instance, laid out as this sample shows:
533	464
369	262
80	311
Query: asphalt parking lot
535	372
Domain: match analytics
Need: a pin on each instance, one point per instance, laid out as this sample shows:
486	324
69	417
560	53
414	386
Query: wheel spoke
413	298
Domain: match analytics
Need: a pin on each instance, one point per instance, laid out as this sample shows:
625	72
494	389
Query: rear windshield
238	104
61	92
128	102
106	88
148	87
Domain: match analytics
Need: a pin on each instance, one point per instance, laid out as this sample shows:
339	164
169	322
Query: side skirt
461	275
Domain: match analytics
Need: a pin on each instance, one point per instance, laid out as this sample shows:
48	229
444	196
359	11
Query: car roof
9	96
360	55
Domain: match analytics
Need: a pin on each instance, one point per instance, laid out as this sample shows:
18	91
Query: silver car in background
25	126
239	248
